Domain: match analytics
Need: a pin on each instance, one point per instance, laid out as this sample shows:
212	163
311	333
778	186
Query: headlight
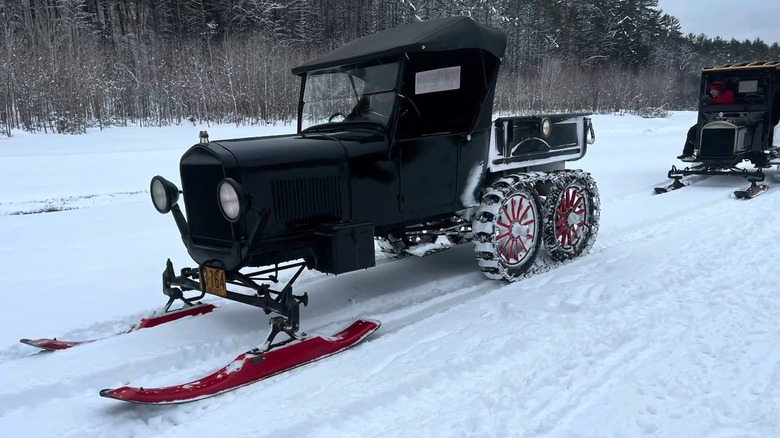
545	126
165	194
230	201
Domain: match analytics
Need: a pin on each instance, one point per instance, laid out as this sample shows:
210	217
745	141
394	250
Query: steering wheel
336	114
411	104
754	98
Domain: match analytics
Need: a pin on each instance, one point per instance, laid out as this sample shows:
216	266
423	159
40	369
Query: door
429	173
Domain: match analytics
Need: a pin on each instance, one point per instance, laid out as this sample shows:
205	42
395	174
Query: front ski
675	185
250	367
53	344
683	178
751	192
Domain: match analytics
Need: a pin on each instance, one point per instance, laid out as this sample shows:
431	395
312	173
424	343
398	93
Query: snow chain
498	191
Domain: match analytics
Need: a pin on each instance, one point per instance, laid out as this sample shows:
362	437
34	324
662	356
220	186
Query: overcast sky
740	19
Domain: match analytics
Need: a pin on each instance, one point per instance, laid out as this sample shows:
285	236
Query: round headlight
165	194
230	202
545	127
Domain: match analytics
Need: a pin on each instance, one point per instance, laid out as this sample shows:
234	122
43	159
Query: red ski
54	344
249	368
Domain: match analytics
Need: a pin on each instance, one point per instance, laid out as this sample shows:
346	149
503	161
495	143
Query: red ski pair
245	369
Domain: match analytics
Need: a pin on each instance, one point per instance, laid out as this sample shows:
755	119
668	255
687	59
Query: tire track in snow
697	290
508	353
634	352
66	376
513	361
180	360
186	360
695	211
177	364
64	203
433	304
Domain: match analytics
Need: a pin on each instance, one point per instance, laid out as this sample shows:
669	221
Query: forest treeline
72	64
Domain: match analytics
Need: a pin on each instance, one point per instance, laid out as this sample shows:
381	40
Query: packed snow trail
541	333
668	328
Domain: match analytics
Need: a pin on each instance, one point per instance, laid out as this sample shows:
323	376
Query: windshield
351	94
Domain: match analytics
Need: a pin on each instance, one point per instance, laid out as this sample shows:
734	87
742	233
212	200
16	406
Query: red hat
719	85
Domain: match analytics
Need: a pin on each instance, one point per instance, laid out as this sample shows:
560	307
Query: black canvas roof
441	34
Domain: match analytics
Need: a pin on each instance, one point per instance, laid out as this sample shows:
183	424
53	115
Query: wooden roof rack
744	65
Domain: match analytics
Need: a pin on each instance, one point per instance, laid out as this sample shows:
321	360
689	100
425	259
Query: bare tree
74	64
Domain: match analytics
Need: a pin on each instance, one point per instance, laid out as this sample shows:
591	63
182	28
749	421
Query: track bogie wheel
571	215
507	229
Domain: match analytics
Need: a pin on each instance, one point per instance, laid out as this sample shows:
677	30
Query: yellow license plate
212	280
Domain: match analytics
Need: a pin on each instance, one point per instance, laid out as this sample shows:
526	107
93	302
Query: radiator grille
200	174
297	199
717	143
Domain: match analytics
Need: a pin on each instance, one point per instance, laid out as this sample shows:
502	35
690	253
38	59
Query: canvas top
450	33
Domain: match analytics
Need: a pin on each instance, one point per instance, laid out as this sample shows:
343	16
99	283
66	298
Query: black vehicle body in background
395	144
729	135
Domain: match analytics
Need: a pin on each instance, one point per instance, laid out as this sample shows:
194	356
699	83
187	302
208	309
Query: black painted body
324	193
730	134
301	186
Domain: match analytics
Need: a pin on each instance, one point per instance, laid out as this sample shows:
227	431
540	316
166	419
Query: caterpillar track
527	223
530	223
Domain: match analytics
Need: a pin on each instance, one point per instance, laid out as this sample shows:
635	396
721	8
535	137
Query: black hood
283	152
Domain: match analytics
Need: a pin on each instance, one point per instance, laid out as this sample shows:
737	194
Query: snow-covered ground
668	328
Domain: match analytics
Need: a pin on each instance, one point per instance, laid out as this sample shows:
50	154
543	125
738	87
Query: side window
440	79
751	91
443	92
750	86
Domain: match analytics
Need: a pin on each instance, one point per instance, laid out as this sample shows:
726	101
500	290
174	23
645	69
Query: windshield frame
366	94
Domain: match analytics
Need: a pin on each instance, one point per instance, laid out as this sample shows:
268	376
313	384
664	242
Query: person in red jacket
717	94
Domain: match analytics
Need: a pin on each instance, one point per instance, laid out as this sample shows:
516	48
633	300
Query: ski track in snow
654	333
68	202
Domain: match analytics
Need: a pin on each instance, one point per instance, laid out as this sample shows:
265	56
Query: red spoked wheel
508	229
517	229
571	218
